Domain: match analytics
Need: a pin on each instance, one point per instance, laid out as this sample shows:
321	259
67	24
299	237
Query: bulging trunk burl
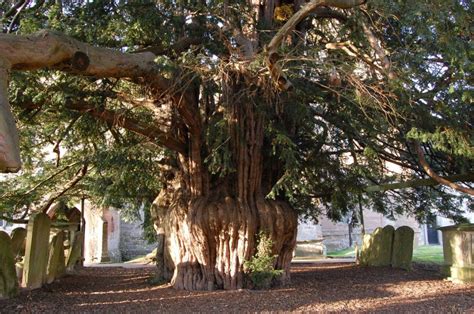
209	222
208	240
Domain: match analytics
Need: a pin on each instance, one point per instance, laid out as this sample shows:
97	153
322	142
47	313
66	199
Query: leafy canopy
328	142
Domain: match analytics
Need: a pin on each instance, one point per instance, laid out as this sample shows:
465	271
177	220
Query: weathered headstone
18	241
74	215
74	253
377	248
19	271
56	262
365	250
36	253
8	278
403	247
383	241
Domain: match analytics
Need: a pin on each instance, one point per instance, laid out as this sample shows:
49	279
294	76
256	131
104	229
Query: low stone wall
132	241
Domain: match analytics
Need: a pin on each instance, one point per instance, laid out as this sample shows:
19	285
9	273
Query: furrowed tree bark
208	223
9	142
211	232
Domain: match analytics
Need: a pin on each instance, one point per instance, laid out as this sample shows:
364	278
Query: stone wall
132	242
124	239
96	248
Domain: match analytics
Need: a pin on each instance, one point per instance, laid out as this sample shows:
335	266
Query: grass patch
425	254
349	252
429	254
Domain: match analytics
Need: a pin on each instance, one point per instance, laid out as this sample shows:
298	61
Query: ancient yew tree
240	116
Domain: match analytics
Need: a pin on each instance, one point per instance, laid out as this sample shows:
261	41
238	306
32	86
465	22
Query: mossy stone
36	252
18	241
8	278
403	248
56	262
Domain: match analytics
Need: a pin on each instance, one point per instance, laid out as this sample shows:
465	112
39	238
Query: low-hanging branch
465	177
120	120
435	176
52	50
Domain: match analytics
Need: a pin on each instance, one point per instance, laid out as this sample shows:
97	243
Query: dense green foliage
260	267
330	142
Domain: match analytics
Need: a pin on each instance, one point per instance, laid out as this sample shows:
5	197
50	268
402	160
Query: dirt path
323	287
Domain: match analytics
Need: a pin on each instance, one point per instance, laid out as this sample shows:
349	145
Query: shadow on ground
314	287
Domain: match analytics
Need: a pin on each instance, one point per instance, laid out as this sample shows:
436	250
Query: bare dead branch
49	49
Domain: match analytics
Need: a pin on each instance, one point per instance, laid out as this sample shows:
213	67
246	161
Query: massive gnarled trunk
207	241
210	223
207	222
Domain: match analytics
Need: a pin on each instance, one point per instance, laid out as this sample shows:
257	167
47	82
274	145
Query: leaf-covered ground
315	287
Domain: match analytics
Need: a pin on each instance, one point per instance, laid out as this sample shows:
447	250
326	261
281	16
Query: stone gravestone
56	263
18	241
365	250
403	248
36	253
383	242
377	248
8	278
75	251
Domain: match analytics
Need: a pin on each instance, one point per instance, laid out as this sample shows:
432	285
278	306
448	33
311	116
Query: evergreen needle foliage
260	267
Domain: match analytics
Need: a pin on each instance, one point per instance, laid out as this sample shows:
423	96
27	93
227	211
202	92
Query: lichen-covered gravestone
18	241
75	251
403	248
56	263
36	253
8	278
383	242
377	248
365	250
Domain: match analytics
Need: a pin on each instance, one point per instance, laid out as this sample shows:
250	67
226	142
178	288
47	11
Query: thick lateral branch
52	50
133	125
305	11
9	142
468	177
48	49
178	47
435	176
